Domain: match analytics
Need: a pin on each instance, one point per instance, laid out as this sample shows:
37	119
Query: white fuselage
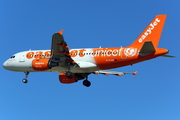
19	62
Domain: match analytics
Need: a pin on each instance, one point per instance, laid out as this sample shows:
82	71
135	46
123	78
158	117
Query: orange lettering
81	54
47	53
73	53
38	55
29	55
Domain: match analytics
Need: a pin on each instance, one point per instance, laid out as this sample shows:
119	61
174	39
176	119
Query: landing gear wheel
26	76
86	83
69	74
25	81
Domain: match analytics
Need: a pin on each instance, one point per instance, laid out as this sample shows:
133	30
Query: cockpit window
13	56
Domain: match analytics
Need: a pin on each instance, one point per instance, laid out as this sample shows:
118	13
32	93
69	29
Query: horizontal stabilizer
167	56
147	48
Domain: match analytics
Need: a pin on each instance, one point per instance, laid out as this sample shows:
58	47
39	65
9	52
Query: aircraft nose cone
5	65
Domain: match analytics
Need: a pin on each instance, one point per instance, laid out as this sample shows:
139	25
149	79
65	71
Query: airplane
76	64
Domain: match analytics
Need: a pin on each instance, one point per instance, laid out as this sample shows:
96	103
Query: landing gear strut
69	74
86	82
26	76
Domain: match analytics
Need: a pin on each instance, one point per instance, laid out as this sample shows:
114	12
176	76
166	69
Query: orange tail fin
151	33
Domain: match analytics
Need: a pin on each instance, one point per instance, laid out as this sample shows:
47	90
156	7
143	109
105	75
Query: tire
86	83
25	81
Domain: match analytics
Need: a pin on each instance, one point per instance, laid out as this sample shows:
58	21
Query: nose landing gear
26	76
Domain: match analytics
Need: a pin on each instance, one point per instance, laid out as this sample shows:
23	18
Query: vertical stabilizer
151	33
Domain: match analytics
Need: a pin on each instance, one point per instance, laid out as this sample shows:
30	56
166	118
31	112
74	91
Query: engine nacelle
43	64
66	80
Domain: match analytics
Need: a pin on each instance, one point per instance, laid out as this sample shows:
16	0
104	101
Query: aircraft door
22	57
122	54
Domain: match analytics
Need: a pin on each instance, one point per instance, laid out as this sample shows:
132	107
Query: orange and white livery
76	64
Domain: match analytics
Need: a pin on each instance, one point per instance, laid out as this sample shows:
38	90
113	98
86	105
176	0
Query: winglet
135	73
61	32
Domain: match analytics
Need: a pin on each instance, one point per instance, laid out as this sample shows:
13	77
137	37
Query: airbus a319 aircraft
76	64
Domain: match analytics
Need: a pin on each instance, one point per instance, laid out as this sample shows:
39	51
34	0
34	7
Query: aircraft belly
74	70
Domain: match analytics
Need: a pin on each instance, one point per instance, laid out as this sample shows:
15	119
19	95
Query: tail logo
149	30
130	52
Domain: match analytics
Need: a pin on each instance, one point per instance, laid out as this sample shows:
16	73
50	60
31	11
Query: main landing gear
69	74
86	82
81	76
26	76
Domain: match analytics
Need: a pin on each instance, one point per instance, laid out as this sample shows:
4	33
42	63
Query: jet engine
43	64
64	79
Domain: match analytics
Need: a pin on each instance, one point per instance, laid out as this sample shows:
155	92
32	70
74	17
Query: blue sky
152	95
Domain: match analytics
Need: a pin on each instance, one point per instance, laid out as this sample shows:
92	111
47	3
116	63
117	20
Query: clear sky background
154	94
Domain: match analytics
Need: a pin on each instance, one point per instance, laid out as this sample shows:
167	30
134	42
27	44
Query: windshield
12	56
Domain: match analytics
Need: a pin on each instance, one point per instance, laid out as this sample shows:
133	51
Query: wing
59	47
112	73
60	51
